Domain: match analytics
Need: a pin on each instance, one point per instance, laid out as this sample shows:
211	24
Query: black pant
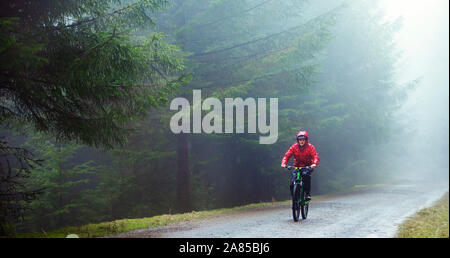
306	185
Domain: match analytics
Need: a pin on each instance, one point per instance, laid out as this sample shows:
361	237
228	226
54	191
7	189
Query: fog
367	79
424	42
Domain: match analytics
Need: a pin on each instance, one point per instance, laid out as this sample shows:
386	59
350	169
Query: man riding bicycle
304	155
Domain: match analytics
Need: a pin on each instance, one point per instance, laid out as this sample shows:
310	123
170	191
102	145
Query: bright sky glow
424	36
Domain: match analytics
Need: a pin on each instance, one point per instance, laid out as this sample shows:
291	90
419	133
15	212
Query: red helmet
302	134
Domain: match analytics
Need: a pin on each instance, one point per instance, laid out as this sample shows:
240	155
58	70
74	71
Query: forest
86	90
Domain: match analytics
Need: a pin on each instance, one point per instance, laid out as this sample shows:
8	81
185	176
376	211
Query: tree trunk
183	174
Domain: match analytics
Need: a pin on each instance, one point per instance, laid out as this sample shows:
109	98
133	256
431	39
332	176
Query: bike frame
299	182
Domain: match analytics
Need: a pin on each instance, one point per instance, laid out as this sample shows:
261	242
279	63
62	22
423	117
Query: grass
431	222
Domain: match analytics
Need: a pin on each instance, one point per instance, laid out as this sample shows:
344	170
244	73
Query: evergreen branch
93	19
268	36
232	16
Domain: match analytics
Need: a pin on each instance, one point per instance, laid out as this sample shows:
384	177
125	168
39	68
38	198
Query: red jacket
303	156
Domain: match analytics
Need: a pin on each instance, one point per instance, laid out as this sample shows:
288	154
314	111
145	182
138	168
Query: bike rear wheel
304	208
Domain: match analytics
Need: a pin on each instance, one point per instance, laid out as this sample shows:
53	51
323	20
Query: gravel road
367	213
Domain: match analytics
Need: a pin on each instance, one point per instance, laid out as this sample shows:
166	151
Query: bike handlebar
296	168
308	170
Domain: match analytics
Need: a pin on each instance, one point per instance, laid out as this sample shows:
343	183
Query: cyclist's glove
307	172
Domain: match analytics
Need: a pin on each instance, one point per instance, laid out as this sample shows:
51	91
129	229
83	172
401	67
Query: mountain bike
299	204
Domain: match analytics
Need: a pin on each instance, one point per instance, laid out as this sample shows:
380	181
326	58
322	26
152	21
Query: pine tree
62	176
76	70
80	71
237	51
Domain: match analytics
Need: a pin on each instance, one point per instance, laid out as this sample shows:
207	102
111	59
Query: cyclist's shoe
308	197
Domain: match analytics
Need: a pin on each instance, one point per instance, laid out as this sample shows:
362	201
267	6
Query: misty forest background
86	86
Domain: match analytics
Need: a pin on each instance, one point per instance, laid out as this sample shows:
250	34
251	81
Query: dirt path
368	213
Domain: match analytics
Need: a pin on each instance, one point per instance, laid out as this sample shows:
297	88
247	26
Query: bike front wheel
296	203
